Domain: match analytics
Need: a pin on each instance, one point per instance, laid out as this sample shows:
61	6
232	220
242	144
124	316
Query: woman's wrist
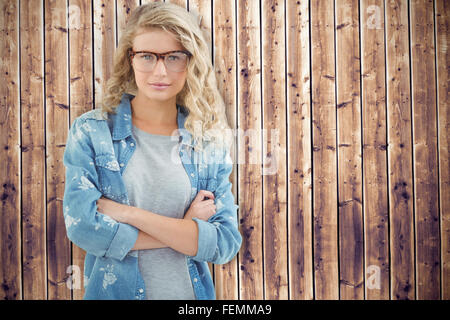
129	215
146	241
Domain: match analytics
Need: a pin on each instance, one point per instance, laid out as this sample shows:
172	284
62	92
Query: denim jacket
98	148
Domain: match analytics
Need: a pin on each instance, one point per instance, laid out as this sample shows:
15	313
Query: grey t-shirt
156	181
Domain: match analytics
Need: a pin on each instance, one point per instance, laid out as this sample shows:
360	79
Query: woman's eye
147	57
173	57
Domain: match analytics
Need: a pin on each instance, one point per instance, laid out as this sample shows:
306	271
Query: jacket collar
122	122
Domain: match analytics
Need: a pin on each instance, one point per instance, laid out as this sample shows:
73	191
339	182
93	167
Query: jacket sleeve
219	239
94	232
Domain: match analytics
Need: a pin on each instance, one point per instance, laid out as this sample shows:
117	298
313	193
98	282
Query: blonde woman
147	192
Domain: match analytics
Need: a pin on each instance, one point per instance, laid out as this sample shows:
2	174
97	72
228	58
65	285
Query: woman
147	192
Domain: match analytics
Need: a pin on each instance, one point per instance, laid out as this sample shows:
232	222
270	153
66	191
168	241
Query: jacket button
141	290
132	144
195	279
121	164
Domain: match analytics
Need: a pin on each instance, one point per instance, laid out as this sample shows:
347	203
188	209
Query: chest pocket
108	171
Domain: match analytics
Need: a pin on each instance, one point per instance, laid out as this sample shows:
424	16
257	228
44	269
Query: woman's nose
160	67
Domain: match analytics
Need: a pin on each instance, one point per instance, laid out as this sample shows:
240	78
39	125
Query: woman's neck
157	113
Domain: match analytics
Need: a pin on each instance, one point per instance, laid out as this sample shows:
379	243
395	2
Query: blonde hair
200	95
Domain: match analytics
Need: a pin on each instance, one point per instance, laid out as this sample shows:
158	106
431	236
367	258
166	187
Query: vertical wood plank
426	188
81	97
10	208
33	150
57	113
274	151
104	45
299	151
251	261
124	10
226	278
398	97
326	276
351	239
442	29
182	2
376	215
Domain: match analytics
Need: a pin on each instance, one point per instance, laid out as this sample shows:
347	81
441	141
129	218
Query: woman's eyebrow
158	52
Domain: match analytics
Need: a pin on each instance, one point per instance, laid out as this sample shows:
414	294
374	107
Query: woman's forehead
156	40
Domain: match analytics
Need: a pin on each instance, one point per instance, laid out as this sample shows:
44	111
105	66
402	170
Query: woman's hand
202	209
117	211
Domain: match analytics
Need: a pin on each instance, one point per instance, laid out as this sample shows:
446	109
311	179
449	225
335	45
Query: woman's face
158	41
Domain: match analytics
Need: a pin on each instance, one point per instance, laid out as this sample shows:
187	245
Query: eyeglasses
145	61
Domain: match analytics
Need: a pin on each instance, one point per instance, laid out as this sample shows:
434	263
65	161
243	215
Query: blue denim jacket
98	149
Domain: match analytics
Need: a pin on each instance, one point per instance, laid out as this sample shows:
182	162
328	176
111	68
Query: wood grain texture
325	233
57	115
10	154
442	29
425	158
375	194
251	283
124	10
224	35
104	45
398	99
33	150
299	151
348	104
274	150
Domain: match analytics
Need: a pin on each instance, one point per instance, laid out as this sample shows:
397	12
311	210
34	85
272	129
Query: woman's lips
159	86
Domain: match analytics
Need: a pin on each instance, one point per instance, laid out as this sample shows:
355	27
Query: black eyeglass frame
132	53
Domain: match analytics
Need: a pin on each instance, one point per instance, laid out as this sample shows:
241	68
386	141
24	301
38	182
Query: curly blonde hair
200	95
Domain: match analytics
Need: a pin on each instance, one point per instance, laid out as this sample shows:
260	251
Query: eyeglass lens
175	61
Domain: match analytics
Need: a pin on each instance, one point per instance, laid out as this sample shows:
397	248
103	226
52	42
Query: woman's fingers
202	194
206	202
208	194
203	206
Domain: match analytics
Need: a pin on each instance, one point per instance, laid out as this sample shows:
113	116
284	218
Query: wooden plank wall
341	111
